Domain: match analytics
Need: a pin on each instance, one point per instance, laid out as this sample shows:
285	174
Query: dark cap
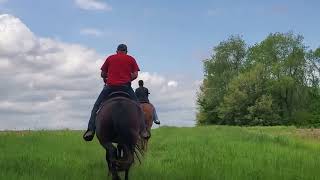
122	47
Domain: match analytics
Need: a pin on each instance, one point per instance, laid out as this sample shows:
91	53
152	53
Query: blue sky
167	36
53	49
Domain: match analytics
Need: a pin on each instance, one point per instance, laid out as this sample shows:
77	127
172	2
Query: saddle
144	101
118	94
119	91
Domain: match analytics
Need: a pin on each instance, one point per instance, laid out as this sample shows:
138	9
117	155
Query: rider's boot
155	117
88	135
157	121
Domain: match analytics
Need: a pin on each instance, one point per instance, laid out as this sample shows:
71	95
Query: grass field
213	152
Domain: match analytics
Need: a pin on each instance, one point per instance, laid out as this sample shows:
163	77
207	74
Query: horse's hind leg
108	163
111	157
127	174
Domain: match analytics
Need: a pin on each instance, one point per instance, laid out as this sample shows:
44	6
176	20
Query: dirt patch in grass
19	133
309	133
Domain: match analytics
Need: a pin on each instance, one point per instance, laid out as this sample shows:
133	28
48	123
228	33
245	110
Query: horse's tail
121	126
120	120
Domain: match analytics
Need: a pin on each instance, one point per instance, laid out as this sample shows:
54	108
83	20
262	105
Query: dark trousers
106	91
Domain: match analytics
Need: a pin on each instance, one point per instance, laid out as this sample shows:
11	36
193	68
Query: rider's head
122	48
140	83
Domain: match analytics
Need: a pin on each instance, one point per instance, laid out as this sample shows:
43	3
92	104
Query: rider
117	72
142	94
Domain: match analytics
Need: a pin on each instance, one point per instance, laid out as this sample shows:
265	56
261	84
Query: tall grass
213	152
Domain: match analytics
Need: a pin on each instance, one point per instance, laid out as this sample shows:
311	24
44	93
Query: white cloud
47	83
91	32
42	80
172	83
93	5
154	79
23	37
175	104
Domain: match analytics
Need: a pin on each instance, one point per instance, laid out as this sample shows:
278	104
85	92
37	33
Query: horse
119	121
148	110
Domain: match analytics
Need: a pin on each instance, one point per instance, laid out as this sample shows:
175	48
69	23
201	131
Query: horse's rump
148	110
119	120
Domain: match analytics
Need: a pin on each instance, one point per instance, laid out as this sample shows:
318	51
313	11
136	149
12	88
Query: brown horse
119	121
148	110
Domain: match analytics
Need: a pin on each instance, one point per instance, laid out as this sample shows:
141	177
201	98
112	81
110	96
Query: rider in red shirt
120	69
117	72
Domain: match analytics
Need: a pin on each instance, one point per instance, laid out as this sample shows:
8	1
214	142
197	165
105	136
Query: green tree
226	62
283	55
313	78
247	101
273	82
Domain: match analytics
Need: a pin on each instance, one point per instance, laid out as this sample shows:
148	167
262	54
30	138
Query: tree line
274	82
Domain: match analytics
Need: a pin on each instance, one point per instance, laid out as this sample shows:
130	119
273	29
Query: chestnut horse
148	110
119	121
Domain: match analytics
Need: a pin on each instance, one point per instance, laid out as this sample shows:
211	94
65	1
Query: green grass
213	152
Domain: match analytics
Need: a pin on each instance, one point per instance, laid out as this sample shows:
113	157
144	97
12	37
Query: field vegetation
211	152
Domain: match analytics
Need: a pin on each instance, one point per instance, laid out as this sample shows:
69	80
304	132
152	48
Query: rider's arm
104	75
104	69
135	69
134	75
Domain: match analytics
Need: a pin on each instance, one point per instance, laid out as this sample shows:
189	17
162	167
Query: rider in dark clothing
142	94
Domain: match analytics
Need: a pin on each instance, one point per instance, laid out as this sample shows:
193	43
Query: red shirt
119	68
